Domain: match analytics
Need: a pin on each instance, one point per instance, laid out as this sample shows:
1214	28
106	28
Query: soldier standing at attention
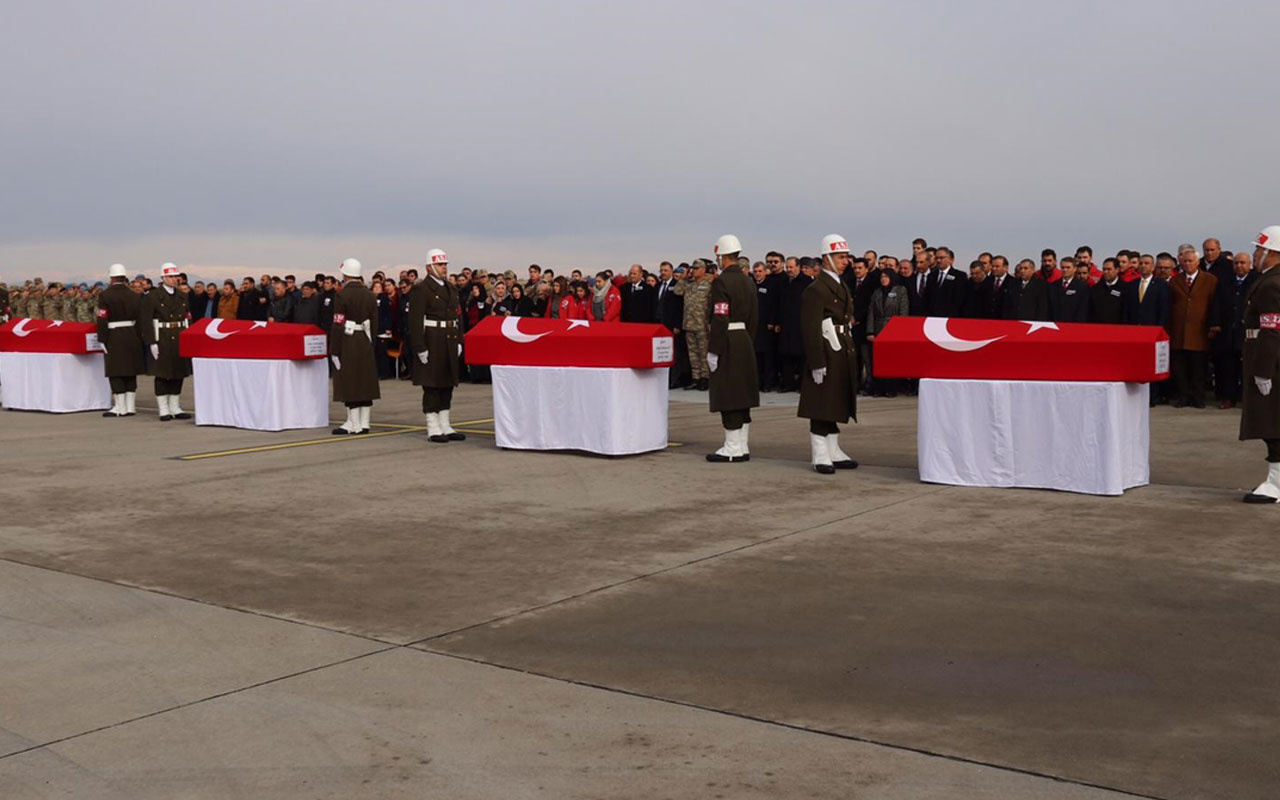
355	372
117	316
731	353
829	383
435	337
165	312
1260	417
695	289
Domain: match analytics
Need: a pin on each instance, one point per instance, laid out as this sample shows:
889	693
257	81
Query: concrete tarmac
200	612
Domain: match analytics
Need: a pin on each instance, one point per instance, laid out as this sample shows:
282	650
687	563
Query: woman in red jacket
580	308
606	300
560	300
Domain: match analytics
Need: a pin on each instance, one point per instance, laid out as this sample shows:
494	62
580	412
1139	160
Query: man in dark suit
790	345
914	279
639	301
1216	263
1193	324
945	287
976	298
1147	298
671	314
1027	297
1069	297
1106	303
766	339
994	288
1228	346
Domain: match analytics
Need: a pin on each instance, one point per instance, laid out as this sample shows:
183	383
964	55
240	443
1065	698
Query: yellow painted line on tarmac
396	430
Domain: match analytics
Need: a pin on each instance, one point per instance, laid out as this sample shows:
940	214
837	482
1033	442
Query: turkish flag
242	338
535	342
48	336
940	347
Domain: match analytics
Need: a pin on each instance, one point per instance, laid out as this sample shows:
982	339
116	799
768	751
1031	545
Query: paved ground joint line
795	727
699	560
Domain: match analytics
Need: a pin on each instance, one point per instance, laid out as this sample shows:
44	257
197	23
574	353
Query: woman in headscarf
888	301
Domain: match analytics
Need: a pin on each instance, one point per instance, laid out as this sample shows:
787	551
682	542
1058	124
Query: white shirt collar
833	275
168	288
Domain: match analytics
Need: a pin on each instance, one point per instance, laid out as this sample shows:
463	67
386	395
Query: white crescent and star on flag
511	330
935	330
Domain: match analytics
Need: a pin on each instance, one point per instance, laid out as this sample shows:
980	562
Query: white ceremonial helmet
117	271
728	245
351	268
169	270
1269	238
834	243
437	256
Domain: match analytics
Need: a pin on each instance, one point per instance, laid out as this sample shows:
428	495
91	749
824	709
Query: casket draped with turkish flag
263	376
242	338
535	342
561	384
50	365
48	336
1012	350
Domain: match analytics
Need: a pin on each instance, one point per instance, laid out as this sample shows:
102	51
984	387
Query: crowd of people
1197	295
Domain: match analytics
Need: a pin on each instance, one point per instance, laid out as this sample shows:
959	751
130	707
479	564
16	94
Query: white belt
438	323
156	325
737	326
1252	333
350	327
124	323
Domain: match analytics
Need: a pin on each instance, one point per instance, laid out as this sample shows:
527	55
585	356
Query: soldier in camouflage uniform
695	289
18	303
51	303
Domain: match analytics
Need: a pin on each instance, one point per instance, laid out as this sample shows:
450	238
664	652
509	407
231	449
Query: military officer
355	372
695	288
435	338
731	355
829	382
164	314
51	302
1260	417
117	317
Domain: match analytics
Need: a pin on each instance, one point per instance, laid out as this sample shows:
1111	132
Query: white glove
104	348
155	352
423	356
713	361
459	350
1264	385
819	375
336	363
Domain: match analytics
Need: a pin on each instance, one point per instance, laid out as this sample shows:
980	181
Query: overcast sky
287	135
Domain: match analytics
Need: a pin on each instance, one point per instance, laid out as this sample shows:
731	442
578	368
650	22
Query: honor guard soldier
1260	418
355	372
164	314
731	354
829	384
117	317
435	338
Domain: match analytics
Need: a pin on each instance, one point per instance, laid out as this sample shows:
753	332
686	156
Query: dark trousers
168	386
679	373
820	427
1273	450
766	367
1189	368
435	400
359	404
1227	365
123	384
789	367
733	420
